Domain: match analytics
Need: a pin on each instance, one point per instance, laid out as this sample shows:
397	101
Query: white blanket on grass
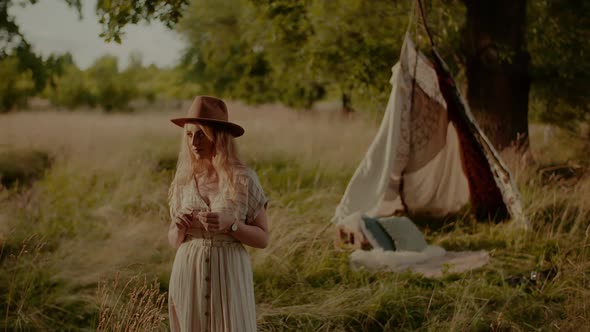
432	262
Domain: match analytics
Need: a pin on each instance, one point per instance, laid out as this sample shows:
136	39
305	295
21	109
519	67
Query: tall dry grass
136	306
97	140
101	210
103	202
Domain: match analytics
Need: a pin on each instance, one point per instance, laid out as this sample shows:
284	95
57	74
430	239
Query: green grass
87	239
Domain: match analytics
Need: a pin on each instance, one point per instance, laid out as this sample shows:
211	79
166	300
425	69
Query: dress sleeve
174	202
175	235
256	198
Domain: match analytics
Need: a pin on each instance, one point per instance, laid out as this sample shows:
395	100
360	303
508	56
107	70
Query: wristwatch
233	227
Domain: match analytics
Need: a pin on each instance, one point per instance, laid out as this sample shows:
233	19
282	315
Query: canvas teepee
429	156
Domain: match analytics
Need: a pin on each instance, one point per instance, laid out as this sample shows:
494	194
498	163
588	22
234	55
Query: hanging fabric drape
429	156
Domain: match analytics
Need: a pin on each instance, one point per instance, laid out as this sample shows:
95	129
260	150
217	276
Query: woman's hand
184	222
189	219
216	222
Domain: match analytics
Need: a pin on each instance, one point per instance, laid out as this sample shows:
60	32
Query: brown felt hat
209	111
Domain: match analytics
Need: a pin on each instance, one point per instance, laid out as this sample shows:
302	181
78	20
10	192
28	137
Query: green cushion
376	235
405	234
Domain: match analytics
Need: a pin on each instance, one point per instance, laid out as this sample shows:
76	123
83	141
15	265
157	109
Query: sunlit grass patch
134	305
32	298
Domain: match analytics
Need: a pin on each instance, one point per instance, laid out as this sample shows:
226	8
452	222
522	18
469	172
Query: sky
52	27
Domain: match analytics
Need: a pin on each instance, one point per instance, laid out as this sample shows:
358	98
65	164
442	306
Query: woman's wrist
233	227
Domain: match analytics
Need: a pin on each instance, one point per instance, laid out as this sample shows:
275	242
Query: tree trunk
346	104
498	69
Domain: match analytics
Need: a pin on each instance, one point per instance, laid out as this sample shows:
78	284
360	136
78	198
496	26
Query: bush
113	89
22	166
72	89
15	85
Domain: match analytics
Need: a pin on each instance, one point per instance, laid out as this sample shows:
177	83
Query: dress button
206	260
207	279
206	313
207	296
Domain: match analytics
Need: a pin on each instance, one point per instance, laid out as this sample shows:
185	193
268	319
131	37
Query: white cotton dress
211	286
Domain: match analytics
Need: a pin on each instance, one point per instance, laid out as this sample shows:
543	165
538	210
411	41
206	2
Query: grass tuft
22	167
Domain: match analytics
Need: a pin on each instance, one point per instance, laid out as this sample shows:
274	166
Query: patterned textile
418	162
428	157
493	189
413	137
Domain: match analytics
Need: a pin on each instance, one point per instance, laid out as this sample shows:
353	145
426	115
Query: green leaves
557	35
302	50
16	85
116	14
9	29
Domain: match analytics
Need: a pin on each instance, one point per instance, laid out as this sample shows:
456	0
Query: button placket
209	288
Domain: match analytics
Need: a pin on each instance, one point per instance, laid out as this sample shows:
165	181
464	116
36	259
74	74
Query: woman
217	205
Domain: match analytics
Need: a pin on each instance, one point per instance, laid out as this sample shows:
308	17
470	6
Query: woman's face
201	146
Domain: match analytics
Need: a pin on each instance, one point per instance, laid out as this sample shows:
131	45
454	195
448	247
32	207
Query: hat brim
234	129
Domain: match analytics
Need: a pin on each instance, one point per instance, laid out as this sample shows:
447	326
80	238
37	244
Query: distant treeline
103	85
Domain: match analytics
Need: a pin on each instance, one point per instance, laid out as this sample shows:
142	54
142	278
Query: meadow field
83	241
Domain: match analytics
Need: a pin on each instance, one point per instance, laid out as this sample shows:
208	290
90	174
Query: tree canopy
298	52
10	34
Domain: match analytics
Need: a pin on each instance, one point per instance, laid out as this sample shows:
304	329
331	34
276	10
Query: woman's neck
205	168
207	182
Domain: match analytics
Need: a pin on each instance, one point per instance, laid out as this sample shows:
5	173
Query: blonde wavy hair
225	160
